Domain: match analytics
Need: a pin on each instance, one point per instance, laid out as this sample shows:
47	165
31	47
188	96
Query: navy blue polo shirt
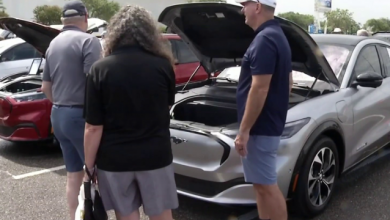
269	53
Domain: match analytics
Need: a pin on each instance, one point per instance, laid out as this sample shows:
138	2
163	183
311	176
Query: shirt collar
268	23
71	28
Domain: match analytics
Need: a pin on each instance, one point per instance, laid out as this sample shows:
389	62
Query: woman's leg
166	215
158	192
133	216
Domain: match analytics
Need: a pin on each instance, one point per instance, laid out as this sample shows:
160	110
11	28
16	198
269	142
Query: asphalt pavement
32	187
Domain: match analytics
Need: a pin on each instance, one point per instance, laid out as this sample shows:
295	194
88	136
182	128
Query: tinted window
184	53
21	52
385	53
368	61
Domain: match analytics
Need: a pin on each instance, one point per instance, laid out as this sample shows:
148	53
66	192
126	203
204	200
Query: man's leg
260	169
270	202
73	184
74	130
61	118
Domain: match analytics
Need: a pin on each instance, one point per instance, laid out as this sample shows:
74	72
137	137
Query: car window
184	53
20	52
368	61
385	53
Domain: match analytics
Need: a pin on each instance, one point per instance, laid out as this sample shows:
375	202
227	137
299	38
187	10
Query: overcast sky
362	9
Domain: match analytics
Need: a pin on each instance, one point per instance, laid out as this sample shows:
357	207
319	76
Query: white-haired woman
128	96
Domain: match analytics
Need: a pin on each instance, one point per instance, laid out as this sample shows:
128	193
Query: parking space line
39	172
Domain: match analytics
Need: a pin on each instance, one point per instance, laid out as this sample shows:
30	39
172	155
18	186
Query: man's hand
241	143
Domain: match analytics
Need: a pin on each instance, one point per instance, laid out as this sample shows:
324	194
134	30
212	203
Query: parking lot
33	179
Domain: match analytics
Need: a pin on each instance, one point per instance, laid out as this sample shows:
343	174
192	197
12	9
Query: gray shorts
125	192
260	162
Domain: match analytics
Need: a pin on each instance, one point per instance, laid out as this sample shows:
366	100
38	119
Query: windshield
335	54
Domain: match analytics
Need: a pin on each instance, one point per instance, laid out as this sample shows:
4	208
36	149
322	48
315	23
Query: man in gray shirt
68	60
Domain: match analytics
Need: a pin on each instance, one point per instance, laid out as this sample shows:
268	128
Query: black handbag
93	207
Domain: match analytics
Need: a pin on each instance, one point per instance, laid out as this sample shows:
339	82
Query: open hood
33	33
219	37
39	35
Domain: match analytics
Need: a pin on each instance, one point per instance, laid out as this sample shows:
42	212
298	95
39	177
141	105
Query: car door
186	63
17	59
370	112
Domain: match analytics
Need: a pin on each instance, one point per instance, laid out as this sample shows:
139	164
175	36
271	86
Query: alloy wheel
321	176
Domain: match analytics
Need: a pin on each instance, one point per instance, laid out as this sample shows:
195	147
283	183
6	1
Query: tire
305	204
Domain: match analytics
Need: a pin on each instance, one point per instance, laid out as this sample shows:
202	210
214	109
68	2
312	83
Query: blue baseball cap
74	8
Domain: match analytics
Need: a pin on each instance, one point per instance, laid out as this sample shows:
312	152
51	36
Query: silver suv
339	110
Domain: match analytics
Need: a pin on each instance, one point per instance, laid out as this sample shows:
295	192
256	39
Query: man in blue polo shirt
262	102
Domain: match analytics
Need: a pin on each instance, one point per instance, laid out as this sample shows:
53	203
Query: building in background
23	9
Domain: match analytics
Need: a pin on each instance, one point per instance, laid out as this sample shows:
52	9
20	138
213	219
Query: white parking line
39	172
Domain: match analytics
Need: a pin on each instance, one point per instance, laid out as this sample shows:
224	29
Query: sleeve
46	71
93	105
263	57
171	85
92	51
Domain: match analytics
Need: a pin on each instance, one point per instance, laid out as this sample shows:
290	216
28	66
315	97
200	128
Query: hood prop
189	80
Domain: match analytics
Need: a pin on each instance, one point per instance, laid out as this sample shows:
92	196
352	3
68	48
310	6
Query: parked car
4	34
186	61
330	127
16	56
24	110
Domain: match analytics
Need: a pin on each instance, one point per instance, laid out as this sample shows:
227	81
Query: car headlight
291	128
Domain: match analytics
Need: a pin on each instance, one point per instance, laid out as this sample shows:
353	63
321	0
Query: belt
70	106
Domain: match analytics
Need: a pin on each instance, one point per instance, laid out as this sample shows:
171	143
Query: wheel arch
330	129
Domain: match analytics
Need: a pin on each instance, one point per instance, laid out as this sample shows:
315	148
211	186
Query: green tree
103	9
2	10
375	25
343	19
303	20
47	14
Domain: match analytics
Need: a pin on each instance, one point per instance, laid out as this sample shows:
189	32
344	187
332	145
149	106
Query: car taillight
5	108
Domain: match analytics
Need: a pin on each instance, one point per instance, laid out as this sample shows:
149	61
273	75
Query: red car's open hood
218	35
38	35
33	33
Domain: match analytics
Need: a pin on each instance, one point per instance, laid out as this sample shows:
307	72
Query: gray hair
362	32
72	20
133	25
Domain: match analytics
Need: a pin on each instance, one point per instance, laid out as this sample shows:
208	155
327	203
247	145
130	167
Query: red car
24	109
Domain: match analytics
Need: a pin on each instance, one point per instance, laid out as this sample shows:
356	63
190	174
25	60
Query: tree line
105	9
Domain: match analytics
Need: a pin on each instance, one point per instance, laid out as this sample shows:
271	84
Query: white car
16	57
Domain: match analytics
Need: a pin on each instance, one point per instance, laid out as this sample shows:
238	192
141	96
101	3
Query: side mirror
368	79
176	62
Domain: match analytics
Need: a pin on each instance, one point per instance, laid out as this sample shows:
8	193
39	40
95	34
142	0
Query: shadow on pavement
35	155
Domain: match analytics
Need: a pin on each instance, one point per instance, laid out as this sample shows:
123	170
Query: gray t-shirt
68	60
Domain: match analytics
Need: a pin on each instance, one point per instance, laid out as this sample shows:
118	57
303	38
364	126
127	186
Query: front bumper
21	132
204	178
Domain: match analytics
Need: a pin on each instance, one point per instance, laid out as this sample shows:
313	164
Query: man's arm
263	61
46	84
92	51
